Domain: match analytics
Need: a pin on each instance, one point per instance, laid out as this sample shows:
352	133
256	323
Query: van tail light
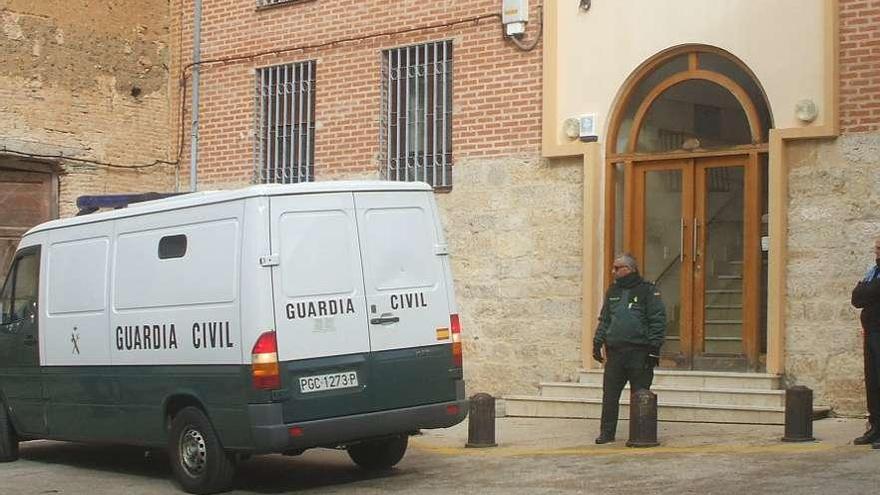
264	363
455	326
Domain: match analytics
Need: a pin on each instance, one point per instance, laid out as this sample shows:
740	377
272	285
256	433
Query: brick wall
513	219
859	65
88	80
497	88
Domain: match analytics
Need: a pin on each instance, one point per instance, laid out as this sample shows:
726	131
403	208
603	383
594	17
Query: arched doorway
686	169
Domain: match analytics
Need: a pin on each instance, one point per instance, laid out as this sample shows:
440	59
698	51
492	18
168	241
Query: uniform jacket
633	315
866	296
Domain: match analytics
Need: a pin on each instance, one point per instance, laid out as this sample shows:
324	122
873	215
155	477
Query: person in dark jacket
866	296
632	326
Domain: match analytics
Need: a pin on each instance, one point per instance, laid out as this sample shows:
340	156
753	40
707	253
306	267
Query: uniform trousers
621	366
872	376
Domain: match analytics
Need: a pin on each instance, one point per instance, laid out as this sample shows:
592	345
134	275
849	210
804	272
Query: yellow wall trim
778	185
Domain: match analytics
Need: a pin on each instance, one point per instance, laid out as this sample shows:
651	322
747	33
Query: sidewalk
543	436
558	456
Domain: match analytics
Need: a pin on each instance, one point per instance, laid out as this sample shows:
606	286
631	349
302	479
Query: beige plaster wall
782	41
834	215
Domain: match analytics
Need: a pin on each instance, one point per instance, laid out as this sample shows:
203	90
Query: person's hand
597	354
654	357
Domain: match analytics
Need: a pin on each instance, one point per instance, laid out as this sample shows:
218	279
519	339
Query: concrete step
555	407
677	395
698	379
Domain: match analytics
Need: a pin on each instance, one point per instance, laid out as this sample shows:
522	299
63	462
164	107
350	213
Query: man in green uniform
632	326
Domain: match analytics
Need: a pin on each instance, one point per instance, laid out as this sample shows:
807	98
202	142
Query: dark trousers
872	376
621	366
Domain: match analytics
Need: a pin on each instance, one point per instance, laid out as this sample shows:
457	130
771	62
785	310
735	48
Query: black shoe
604	438
870	436
875	445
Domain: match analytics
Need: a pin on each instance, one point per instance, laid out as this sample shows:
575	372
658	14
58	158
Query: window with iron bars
416	141
285	123
270	3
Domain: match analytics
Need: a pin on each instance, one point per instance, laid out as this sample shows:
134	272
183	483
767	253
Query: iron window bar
417	118
284	145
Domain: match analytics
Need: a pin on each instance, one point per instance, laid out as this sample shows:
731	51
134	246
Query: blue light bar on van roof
91	204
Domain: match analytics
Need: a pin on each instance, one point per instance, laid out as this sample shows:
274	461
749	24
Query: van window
205	276
20	290
6	298
77	278
318	253
172	246
399	248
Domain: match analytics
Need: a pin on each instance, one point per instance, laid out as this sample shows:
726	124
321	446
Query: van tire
198	460
8	438
377	455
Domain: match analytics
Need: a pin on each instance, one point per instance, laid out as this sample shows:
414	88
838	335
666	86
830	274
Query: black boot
605	437
871	436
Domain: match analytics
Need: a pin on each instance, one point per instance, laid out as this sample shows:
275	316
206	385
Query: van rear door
407	300
320	309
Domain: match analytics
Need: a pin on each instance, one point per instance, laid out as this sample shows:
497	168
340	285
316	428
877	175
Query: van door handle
384	320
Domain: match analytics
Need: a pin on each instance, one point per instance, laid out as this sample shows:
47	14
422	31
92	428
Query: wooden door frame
693	212
636	211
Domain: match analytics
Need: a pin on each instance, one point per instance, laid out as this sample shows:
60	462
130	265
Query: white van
222	324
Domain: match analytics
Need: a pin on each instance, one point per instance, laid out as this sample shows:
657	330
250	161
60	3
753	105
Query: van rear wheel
198	460
8	438
379	454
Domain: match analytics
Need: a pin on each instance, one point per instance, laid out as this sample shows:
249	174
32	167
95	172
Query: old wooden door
26	199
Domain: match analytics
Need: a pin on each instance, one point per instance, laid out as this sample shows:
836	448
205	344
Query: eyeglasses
618	267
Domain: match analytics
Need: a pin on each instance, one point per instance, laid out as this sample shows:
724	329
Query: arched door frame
735	89
630	156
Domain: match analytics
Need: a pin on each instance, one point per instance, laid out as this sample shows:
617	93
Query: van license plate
332	381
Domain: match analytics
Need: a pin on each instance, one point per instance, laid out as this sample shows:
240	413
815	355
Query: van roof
222	196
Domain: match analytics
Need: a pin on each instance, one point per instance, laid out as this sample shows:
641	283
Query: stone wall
88	80
514	227
834	217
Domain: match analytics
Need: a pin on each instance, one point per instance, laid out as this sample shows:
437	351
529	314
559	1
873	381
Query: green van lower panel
126	404
21	388
413	376
320	388
326	387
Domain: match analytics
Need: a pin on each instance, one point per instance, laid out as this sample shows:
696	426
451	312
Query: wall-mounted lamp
571	127
806	111
582	127
585	5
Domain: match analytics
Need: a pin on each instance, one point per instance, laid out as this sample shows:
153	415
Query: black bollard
481	421
798	415
642	419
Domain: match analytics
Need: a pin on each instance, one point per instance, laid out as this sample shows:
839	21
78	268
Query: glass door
661	241
695	229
